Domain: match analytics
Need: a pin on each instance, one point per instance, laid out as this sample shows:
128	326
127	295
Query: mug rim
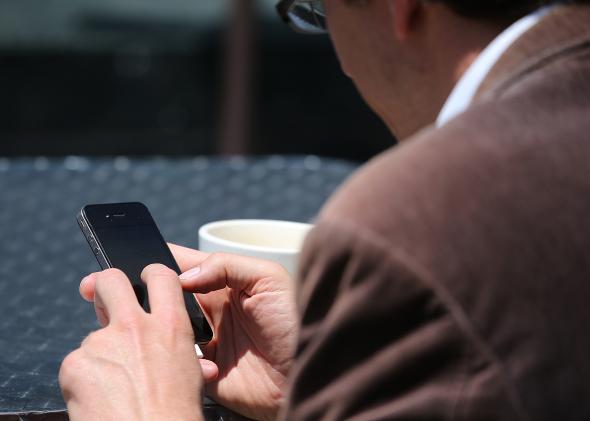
205	234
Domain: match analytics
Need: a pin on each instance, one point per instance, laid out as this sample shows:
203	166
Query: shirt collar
464	91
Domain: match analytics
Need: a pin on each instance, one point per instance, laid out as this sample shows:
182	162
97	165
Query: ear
404	14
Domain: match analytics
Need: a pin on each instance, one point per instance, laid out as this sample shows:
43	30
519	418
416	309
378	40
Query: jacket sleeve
377	341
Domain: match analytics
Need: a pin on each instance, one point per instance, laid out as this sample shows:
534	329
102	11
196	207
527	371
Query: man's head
405	56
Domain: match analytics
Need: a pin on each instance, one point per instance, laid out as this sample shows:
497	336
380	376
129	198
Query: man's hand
251	305
139	366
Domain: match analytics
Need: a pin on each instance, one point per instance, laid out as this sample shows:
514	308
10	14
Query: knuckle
218	259
94	340
217	256
88	340
70	367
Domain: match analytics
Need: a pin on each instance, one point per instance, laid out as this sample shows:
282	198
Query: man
448	279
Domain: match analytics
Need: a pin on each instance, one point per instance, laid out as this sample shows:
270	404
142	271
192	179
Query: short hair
497	10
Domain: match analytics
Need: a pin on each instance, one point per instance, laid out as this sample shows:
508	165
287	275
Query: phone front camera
107	216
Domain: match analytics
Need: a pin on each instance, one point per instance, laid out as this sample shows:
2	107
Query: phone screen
132	248
130	240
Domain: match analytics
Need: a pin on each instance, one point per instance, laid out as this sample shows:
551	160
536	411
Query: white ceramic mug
279	241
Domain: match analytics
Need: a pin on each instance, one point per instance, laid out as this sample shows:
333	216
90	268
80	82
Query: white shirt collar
466	88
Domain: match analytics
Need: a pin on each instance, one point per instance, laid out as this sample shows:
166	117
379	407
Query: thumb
245	274
185	257
209	369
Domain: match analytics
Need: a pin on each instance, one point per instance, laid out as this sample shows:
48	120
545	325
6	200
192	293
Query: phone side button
96	250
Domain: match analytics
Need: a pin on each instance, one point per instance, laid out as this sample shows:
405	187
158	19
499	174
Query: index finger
187	258
248	274
164	290
114	296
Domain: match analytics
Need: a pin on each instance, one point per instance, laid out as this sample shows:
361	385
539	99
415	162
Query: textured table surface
43	255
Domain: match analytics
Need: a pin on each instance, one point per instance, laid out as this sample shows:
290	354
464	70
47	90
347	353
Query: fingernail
190	274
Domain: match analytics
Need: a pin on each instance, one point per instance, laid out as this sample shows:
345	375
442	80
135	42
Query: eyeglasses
306	16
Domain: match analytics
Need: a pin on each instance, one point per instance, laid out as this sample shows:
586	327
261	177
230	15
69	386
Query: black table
43	255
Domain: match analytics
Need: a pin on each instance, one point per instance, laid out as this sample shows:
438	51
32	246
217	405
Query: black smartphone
125	236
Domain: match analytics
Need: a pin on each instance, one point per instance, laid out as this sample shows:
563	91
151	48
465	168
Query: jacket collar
563	29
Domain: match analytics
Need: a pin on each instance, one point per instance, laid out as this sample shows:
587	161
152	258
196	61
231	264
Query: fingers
109	290
210	370
113	296
242	273
164	291
87	287
187	258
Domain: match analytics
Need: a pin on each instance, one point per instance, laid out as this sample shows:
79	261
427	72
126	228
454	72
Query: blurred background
174	77
182	87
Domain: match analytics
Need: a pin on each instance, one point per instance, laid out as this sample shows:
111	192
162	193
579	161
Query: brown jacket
450	278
